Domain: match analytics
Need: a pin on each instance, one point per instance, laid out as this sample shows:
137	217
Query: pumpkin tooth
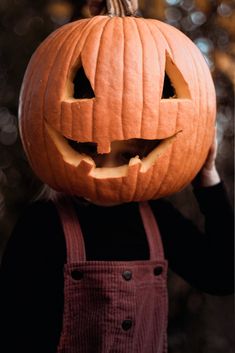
86	165
103	147
134	160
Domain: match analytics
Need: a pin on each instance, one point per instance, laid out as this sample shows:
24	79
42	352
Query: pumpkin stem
122	7
114	7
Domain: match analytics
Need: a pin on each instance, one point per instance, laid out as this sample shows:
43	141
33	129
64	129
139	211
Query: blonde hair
46	193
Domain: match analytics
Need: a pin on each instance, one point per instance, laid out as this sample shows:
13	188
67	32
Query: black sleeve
31	282
205	260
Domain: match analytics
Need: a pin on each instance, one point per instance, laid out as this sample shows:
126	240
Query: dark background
198	323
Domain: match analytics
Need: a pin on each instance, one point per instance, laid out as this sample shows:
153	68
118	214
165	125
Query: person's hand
96	6
208	175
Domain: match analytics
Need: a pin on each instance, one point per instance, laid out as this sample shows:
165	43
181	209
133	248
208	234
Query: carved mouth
122	156
120	152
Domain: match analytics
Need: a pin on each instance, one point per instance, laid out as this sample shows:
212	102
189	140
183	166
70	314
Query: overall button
126	325
158	270
127	275
76	274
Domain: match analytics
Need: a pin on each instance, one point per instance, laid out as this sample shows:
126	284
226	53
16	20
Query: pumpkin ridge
199	108
185	162
71	34
199	113
72	30
206	122
90	23
96	69
66	172
59	34
143	90
170	53
143	93
102	20
89	26
123	79
207	107
161	77
156	23
112	126
205	74
131	85
198	66
188	161
89	31
27	90
53	172
161	185
196	69
146	185
71	56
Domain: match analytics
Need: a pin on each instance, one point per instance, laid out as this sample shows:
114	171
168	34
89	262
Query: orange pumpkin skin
125	60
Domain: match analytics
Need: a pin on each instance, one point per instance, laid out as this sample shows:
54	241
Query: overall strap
72	230
152	232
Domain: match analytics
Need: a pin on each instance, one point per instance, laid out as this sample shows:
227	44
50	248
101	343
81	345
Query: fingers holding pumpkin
210	160
208	175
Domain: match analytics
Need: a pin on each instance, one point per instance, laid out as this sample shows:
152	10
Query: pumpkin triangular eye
174	85
82	86
168	89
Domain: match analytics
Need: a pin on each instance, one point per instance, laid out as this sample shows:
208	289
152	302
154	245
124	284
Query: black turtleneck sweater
31	275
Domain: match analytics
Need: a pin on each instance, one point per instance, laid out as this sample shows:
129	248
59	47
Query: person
33	292
90	278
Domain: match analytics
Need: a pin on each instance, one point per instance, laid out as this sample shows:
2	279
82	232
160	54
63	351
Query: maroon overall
113	306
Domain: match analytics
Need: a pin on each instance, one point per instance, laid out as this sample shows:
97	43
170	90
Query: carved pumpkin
97	82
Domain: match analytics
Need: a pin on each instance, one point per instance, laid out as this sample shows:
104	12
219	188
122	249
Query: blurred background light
204	44
224	10
5	117
209	62
198	18
60	11
222	38
8	134
187	4
187	24
172	15
173	2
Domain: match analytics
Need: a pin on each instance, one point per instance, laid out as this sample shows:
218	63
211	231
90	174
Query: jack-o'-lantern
104	82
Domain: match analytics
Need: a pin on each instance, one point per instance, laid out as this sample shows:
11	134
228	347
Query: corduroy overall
113	306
